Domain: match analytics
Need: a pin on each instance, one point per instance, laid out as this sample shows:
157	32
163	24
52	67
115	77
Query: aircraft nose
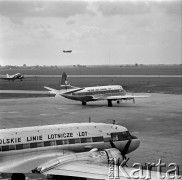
135	143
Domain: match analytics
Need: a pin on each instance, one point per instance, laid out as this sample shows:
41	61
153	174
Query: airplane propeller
112	144
123	152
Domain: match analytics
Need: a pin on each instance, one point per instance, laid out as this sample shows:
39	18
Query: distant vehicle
14	77
95	93
67	51
43	149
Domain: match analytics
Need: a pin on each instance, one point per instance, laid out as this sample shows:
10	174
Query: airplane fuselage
20	145
95	93
18	76
15	76
98	92
67	51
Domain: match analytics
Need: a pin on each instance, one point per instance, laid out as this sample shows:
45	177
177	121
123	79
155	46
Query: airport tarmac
155	120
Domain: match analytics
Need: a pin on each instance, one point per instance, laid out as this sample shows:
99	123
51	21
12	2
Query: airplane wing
30	162
82	169
125	97
85	169
13	78
62	91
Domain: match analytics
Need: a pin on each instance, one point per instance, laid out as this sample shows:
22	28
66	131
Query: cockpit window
120	136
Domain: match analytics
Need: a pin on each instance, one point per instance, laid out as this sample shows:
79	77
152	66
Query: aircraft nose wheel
118	101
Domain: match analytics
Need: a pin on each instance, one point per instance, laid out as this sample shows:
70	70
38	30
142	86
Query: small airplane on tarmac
14	77
95	93
65	149
68	51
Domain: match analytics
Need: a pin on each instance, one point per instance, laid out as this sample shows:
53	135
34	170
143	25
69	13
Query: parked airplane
14	77
67	51
44	149
95	93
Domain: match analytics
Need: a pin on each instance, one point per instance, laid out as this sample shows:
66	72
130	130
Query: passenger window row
50	143
100	92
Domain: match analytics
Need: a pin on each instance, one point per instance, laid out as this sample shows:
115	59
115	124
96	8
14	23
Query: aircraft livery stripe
51	143
116	136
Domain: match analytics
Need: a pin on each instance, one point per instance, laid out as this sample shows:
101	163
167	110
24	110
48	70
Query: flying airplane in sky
14	77
95	93
67	51
65	149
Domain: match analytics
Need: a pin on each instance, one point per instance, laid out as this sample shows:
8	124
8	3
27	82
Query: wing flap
81	169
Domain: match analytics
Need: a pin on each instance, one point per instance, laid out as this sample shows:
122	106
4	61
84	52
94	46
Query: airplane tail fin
65	87
64	80
65	84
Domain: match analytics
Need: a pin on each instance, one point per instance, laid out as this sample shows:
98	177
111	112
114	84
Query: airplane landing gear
109	103
133	100
118	101
84	103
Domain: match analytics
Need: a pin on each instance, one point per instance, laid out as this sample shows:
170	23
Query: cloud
122	8
131	7
71	21
28	9
43	31
83	31
171	8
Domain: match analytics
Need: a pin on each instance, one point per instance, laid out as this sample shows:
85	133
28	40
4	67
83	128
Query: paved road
155	120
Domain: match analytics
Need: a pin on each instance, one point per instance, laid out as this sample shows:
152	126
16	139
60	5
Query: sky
98	32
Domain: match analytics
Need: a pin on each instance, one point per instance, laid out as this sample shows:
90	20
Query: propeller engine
123	159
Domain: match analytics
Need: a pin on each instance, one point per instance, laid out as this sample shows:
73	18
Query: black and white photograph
90	89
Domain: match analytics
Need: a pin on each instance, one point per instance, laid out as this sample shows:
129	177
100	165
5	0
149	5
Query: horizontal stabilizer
63	91
54	91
